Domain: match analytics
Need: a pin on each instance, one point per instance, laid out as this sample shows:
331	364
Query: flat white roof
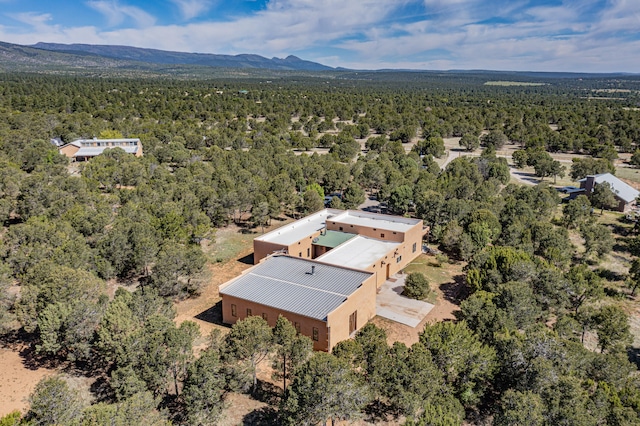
306	226
299	229
358	253
374	220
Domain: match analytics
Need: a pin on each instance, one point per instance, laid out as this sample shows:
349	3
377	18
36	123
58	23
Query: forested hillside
239	151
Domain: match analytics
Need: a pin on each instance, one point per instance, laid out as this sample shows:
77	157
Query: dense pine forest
94	255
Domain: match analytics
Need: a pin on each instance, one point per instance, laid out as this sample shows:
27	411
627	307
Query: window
234	311
381	235
415	247
315	334
398	259
353	322
300	254
340	227
248	312
297	326
308	252
265	316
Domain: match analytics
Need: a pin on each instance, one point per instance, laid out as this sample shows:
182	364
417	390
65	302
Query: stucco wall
306	324
362	301
303	248
262	249
378	233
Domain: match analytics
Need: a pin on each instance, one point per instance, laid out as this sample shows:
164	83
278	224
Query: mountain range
103	60
69	57
155	56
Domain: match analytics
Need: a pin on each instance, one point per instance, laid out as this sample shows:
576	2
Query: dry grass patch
629	174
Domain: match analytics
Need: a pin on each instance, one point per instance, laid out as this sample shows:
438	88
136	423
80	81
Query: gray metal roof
620	188
286	283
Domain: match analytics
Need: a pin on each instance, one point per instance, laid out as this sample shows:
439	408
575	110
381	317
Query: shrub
442	258
416	286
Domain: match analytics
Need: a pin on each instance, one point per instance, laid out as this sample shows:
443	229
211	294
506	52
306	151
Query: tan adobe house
325	302
85	149
624	193
379	243
322	272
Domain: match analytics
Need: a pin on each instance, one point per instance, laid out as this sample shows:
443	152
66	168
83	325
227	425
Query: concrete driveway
392	305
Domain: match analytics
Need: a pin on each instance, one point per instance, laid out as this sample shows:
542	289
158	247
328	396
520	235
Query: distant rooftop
358	253
620	188
87	142
296	285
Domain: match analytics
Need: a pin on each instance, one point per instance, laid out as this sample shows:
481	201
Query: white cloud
192	8
116	13
37	21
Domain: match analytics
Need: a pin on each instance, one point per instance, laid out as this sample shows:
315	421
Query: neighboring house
322	272
624	193
85	149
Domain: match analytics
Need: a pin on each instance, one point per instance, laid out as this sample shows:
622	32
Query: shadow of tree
620	229
268	393
265	416
455	291
610	275
378	411
634	356
16	339
33	360
102	390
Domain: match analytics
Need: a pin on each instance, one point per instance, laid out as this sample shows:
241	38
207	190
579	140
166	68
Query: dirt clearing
17	380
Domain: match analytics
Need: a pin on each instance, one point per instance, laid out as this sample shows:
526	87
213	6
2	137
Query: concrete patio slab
392	305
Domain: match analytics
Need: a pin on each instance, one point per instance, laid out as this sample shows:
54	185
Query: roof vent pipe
313	269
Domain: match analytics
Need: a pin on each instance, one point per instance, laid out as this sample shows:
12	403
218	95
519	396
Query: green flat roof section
332	239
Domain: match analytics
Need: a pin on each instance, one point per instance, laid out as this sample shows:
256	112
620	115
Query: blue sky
536	35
